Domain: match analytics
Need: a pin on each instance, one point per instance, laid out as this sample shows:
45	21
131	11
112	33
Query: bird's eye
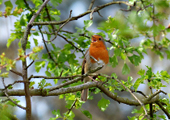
100	39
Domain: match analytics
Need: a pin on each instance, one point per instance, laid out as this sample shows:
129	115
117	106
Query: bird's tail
84	94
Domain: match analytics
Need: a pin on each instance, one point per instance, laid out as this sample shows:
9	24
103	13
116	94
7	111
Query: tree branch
49	54
163	109
16	72
38	92
81	15
91	5
56	33
5	92
24	63
71	43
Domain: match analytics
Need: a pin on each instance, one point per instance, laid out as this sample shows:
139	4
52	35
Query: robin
97	53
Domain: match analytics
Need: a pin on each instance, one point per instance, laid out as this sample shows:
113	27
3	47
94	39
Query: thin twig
38	92
74	80
56	33
71	43
49	54
24	63
140	92
28	7
6	93
163	109
16	72
91	5
83	14
146	114
30	64
49	17
72	106
19	81
155	94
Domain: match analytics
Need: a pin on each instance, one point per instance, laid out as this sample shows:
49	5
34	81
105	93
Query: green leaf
141	72
8	4
168	54
126	69
55	2
149	72
31	84
103	104
35	42
1	2
117	51
123	55
11	39
137	60
113	60
87	113
56	113
20	3
139	81
39	65
5	74
69	116
88	23
23	20
47	84
48	73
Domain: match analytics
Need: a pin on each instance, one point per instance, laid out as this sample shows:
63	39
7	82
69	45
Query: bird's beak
93	39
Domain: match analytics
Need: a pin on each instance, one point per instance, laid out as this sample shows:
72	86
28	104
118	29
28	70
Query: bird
96	55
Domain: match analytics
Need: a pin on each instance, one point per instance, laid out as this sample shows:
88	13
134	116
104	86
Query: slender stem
81	15
91	5
24	62
16	72
6	93
163	109
49	54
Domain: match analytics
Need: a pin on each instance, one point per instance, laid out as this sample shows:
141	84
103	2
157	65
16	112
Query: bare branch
24	63
74	80
72	106
28	7
5	92
38	92
49	54
49	17
163	109
81	15
71	43
16	72
155	94
61	27
6	87
30	64
91	4
131	94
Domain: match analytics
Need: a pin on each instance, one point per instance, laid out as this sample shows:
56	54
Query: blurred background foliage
137	37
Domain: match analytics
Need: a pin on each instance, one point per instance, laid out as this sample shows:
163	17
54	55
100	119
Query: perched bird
97	51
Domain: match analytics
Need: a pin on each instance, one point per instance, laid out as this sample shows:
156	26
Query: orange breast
99	51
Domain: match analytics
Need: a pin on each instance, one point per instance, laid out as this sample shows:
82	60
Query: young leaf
39	65
103	104
87	113
55	2
126	69
8	4
56	113
114	61
88	23
35	42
